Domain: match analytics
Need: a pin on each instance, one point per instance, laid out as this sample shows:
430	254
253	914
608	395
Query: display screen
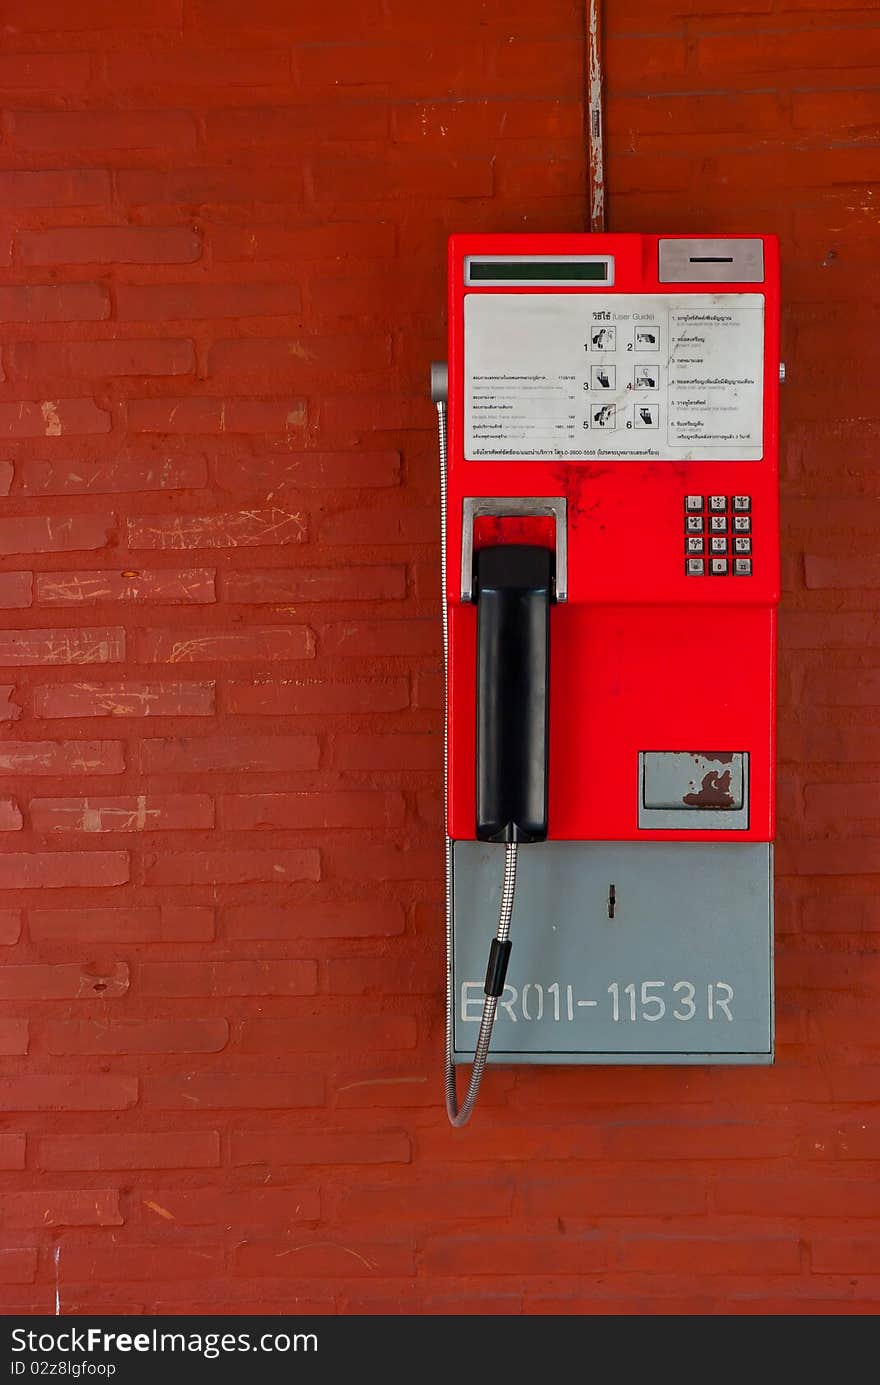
538	271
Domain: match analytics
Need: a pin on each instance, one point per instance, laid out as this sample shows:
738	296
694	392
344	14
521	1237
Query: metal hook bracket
503	507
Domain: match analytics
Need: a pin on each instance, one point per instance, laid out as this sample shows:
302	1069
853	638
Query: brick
162	586
73	188
841	571
841	687
790	50
137	1036
798	1196
318	1258
401	974
64	981
61	534
61	1207
278	358
404	525
18	1266
89	360
188	302
10	927
238	529
15	590
377	638
186	1149
382	863
232	867
380	583
245	812
255	644
858	856
49	870
454	1199
839	913
21	648
851	111
12	1150
850	1255
9	709
321	1035
474	123
273	977
201	414
320	1147
128	699
44	71
730	1255
292	125
181	755
612	1197
138	924
243	1207
296	697
113	1263
103	130
836	808
51	418
296	245
200	186
146	245
10	815
483	1254
43	16
135	813
52	1093
13	1037
342	919
726	1140
34	303
391	752
220	1091
309	470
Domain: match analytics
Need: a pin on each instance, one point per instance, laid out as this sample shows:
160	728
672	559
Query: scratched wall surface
221	280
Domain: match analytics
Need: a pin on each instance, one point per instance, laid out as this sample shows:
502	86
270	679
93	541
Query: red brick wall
222	279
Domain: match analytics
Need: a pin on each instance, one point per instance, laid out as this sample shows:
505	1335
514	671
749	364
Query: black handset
513	589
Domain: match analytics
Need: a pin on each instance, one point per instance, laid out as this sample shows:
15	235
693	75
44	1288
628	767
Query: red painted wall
222	251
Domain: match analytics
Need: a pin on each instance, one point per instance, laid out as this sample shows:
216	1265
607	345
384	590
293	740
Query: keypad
729	524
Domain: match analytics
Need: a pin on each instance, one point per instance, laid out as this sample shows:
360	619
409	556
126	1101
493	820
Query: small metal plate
694	791
712	261
682	972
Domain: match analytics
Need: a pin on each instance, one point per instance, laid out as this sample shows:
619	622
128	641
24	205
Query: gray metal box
682	972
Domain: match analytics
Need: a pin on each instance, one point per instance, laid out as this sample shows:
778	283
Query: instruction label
628	377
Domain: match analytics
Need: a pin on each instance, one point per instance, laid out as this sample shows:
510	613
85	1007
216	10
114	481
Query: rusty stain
724	757
714	791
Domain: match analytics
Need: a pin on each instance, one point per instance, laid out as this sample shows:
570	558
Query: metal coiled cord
460	1115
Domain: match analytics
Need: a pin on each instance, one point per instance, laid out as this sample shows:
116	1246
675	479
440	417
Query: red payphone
609	439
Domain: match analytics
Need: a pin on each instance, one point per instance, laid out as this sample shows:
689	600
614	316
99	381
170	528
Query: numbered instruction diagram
622	376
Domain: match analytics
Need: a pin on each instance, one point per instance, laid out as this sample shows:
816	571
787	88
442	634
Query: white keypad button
742	567
695	567
694	504
742	545
742	503
718	524
718	567
742	524
719	545
718	502
694	545
693	524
